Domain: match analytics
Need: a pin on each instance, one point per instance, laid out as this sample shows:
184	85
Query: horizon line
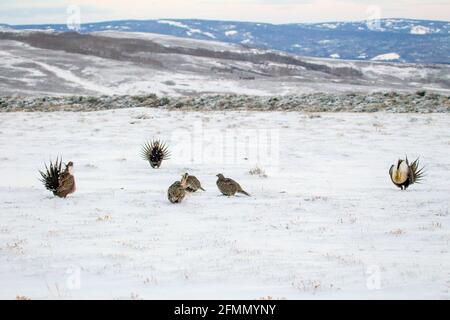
219	20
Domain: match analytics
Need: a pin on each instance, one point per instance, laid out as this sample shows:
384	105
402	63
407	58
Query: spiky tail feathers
417	174
155	152
50	177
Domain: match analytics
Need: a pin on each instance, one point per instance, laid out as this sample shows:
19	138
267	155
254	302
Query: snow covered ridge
421	30
126	63
419	102
387	57
416	41
189	31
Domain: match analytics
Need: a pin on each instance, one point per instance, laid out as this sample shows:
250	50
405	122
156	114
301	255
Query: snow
329	25
231	33
387	57
174	24
421	30
326	223
32	71
184	26
209	34
68	76
171	41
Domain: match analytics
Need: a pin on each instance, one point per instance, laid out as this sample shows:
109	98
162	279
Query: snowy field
326	221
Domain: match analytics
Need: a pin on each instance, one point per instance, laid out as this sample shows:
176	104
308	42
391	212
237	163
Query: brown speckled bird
193	184
177	191
228	186
66	182
403	174
61	183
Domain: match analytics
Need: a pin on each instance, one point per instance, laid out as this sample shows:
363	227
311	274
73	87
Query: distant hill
118	62
398	40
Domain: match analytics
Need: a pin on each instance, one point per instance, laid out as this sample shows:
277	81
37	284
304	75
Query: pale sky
273	11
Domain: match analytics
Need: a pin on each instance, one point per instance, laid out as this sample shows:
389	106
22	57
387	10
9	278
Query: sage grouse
155	152
177	191
228	186
61	183
193	184
403	174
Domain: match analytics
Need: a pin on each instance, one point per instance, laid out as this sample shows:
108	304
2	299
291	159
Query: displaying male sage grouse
177	191
193	184
61	183
155	152
228	186
403	174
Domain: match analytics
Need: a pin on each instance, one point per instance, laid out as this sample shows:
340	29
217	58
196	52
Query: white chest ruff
400	175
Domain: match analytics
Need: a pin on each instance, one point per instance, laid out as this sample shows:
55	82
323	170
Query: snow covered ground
326	222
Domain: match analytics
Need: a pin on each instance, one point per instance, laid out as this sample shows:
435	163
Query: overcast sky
274	11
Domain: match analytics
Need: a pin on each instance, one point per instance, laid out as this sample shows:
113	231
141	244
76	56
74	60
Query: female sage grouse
229	187
61	183
193	184
155	152
403	174
177	191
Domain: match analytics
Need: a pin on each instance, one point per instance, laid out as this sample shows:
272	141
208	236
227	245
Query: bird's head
183	180
69	167
220	176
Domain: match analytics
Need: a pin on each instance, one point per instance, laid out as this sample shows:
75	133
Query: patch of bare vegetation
311	286
104	218
257	171
397	232
17	246
317	198
311	104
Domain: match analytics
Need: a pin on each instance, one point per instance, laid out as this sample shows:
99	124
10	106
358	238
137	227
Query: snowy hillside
324	219
415	41
110	62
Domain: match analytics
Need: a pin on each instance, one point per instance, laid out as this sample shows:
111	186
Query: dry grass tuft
397	232
257	171
105	218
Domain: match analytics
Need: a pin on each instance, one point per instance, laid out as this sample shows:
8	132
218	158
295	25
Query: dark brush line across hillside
127	49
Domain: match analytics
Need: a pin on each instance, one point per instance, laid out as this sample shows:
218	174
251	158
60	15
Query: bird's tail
202	189
155	152
243	192
417	174
50	177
